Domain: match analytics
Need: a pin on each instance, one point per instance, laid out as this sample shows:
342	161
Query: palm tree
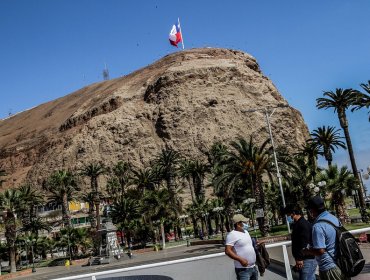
194	171
339	182
123	211
168	161
146	179
122	171
35	225
31	198
310	152
340	101
9	203
245	166
62	187
2	174
89	199
199	171
327	139
185	172
161	206
93	171
363	99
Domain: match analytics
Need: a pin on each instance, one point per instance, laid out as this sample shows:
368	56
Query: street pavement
213	268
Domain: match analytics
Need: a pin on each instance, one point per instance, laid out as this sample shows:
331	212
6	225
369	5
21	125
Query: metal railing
283	244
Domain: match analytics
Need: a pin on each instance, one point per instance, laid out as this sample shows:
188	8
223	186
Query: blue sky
50	48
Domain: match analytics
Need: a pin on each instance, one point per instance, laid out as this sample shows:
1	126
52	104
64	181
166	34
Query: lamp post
218	211
267	116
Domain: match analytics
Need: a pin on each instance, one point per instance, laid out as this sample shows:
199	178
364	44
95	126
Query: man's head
315	206
238	221
295	212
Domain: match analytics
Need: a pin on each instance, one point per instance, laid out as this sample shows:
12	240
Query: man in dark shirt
301	239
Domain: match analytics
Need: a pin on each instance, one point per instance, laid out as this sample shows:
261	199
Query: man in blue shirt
323	240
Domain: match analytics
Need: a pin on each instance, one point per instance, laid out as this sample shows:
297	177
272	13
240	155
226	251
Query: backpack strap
336	238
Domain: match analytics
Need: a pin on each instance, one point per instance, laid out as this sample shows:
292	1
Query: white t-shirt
243	247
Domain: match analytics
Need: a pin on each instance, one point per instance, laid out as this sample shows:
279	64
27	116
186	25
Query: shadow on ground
140	277
204	249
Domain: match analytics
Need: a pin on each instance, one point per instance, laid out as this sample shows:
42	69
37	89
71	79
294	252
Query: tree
161	207
246	165
62	187
122	171
123	211
363	100
31	198
9	203
93	171
327	139
186	172
194	171
168	161
35	225
340	101
146	179
89	199
339	182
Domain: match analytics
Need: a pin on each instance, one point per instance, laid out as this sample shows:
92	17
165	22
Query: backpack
349	256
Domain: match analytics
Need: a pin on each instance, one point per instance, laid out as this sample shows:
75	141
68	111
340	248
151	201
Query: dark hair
290	209
316	203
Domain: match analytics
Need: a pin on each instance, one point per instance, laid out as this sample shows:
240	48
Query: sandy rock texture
186	100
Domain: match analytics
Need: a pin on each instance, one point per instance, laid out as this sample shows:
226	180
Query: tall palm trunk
65	211
97	214
344	124
92	215
260	202
11	235
94	182
191	190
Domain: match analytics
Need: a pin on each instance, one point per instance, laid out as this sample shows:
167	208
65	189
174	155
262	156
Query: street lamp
267	116
316	188
218	211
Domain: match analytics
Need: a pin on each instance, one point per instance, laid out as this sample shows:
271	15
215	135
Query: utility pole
267	116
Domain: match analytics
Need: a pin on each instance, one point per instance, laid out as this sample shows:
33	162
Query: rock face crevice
186	100
104	108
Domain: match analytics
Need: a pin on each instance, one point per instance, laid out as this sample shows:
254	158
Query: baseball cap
316	202
239	218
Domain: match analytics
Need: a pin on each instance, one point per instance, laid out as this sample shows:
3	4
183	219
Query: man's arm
229	251
313	252
318	242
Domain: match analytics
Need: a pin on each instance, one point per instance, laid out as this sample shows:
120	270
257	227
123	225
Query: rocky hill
186	100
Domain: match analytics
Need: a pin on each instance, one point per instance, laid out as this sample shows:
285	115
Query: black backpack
349	257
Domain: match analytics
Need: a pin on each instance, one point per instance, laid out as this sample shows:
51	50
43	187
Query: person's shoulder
232	233
304	223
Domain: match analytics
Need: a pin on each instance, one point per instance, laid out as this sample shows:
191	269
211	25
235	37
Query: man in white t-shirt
239	247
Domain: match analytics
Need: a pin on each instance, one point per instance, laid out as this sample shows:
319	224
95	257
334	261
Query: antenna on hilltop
105	73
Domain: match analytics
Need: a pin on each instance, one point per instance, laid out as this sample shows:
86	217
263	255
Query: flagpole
182	36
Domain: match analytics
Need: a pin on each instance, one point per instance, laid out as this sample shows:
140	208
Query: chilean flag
175	35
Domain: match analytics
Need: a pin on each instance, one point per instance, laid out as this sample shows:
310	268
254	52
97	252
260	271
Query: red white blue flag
175	35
